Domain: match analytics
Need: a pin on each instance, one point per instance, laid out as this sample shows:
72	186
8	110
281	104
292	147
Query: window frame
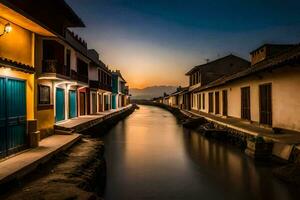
40	86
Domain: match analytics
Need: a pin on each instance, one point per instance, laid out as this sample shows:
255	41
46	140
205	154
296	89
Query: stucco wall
45	121
93	72
45	116
285	97
17	45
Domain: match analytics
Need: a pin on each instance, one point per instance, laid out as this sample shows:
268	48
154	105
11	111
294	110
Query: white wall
285	97
93	73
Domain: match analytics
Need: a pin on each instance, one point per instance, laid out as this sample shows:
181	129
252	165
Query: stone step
63	132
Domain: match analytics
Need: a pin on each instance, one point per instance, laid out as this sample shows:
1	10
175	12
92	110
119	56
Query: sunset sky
154	42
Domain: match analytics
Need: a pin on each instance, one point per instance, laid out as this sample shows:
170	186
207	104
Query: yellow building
17	79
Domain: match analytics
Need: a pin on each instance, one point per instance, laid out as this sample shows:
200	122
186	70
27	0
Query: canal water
150	156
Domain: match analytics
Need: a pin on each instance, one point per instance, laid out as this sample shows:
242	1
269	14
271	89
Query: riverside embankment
77	173
288	170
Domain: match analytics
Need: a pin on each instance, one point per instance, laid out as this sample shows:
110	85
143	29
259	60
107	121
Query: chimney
267	51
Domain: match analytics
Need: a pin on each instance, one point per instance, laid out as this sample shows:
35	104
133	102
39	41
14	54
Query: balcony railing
79	77
83	78
74	75
94	84
99	85
53	66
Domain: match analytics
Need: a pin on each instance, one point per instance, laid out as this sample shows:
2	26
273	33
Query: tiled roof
290	56
273	45
207	65
16	65
182	91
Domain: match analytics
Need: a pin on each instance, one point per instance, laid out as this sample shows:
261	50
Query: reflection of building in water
228	164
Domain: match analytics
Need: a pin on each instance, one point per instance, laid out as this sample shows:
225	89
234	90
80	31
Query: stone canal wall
177	113
78	173
217	131
102	126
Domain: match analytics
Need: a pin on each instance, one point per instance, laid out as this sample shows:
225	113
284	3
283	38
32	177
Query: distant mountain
150	92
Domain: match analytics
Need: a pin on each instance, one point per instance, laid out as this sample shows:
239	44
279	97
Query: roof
207	65
17	65
290	56
182	90
272	45
53	14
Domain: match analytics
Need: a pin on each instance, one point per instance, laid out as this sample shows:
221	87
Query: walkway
287	137
17	166
87	121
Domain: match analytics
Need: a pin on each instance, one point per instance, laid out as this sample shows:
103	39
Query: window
210	102
217	100
265	104
44	94
68	59
82	67
245	103
99	76
203	101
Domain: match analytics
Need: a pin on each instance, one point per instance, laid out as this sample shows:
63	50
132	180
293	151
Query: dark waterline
150	156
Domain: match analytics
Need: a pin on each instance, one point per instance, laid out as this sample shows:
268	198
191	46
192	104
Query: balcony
83	78
79	77
53	66
99	85
74	75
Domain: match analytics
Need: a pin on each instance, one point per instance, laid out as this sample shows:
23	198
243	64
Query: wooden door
100	103
12	116
245	103
60	104
82	103
217	102
211	102
72	104
265	104
94	103
225	102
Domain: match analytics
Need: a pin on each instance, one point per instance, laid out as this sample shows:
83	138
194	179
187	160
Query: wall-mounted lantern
7	29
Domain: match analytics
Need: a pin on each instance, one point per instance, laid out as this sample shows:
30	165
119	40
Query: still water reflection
150	156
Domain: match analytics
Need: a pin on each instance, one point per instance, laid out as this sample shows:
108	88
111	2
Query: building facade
47	73
263	95
17	77
120	95
203	74
100	84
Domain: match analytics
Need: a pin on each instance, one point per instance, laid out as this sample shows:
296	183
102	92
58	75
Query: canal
150	156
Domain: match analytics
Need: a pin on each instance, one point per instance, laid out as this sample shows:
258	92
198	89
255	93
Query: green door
72	104
2	118
60	104
12	116
114	101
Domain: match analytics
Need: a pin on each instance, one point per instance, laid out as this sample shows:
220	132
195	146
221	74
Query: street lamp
7	29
